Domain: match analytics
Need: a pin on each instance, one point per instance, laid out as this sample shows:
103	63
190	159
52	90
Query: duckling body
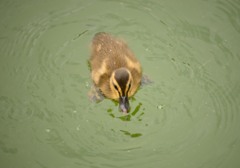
115	70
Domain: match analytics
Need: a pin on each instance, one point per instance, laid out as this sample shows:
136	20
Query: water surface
188	117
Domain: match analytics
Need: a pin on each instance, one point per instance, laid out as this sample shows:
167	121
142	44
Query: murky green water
188	118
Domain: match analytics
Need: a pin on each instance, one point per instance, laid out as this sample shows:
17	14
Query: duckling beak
124	104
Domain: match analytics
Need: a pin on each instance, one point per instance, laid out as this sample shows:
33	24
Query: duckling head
120	83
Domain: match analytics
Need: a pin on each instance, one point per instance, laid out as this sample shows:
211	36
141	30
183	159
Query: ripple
199	108
231	10
223	101
184	29
7	149
189	111
15	110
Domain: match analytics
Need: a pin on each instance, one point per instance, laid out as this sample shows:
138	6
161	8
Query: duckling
115	71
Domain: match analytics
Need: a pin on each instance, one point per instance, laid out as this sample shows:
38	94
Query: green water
187	118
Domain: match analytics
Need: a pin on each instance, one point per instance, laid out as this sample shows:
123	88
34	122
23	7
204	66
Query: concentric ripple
188	117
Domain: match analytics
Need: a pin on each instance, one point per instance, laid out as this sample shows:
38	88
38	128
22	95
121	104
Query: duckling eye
115	87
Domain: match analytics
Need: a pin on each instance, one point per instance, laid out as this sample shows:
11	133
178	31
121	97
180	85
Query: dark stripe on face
129	86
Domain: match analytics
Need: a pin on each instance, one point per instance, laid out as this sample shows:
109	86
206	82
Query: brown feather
109	54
